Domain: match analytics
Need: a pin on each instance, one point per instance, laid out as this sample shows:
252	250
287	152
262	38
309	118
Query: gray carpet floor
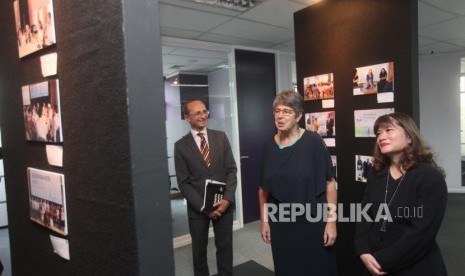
179	217
251	268
451	237
5	251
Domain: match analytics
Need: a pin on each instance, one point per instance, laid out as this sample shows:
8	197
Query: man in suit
194	164
329	126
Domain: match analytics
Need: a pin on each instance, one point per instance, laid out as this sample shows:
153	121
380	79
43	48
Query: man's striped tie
204	150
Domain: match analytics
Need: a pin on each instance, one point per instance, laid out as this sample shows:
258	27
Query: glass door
194	69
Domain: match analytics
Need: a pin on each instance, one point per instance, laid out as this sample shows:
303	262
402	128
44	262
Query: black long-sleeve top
408	247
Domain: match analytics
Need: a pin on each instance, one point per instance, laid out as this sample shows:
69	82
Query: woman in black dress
296	175
355	79
407	193
382	83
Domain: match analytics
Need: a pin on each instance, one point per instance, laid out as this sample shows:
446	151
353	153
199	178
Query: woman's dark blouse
408	247
298	173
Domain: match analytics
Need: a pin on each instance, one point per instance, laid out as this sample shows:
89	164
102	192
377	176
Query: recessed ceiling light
188	85
176	66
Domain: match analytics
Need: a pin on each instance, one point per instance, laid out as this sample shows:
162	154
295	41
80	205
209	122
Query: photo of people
35	25
364	120
363	166
321	123
47	202
377	78
319	87
41	110
334	160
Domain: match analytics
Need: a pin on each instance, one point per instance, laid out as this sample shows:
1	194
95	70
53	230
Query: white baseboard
182	241
457	191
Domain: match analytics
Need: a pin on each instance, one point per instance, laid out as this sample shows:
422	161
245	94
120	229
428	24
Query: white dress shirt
197	138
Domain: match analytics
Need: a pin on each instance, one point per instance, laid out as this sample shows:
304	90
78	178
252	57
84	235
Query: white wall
284	70
175	126
219	95
219	99
440	112
172	101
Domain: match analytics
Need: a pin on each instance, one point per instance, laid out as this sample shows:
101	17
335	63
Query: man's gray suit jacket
191	170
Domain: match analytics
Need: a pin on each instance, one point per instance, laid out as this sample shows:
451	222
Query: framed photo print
47	200
322	123
365	119
334	160
375	79
363	165
41	111
35	25
319	87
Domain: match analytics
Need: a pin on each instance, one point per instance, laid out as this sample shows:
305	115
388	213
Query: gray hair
290	99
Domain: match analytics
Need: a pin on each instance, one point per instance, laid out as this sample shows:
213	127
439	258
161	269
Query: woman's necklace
385	219
290	144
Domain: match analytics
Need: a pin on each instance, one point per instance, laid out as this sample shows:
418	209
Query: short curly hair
290	99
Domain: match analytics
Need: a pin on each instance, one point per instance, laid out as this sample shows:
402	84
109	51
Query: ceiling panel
288	46
422	41
193	5
274	12
451	29
167	49
234	40
459	42
455	6
179	33
193	20
176	64
428	15
270	25
255	31
173	59
439	47
200	53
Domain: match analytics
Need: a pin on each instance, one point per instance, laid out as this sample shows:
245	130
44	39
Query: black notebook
214	192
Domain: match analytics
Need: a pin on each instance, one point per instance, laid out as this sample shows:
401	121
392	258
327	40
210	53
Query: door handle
245	157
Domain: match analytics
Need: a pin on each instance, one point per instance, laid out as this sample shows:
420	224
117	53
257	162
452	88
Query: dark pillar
112	109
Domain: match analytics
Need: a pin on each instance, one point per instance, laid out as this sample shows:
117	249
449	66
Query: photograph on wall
376	78
364	120
322	123
334	160
319	87
47	201
41	110
363	165
35	25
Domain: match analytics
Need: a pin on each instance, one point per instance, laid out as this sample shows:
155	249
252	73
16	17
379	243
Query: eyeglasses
285	112
200	113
